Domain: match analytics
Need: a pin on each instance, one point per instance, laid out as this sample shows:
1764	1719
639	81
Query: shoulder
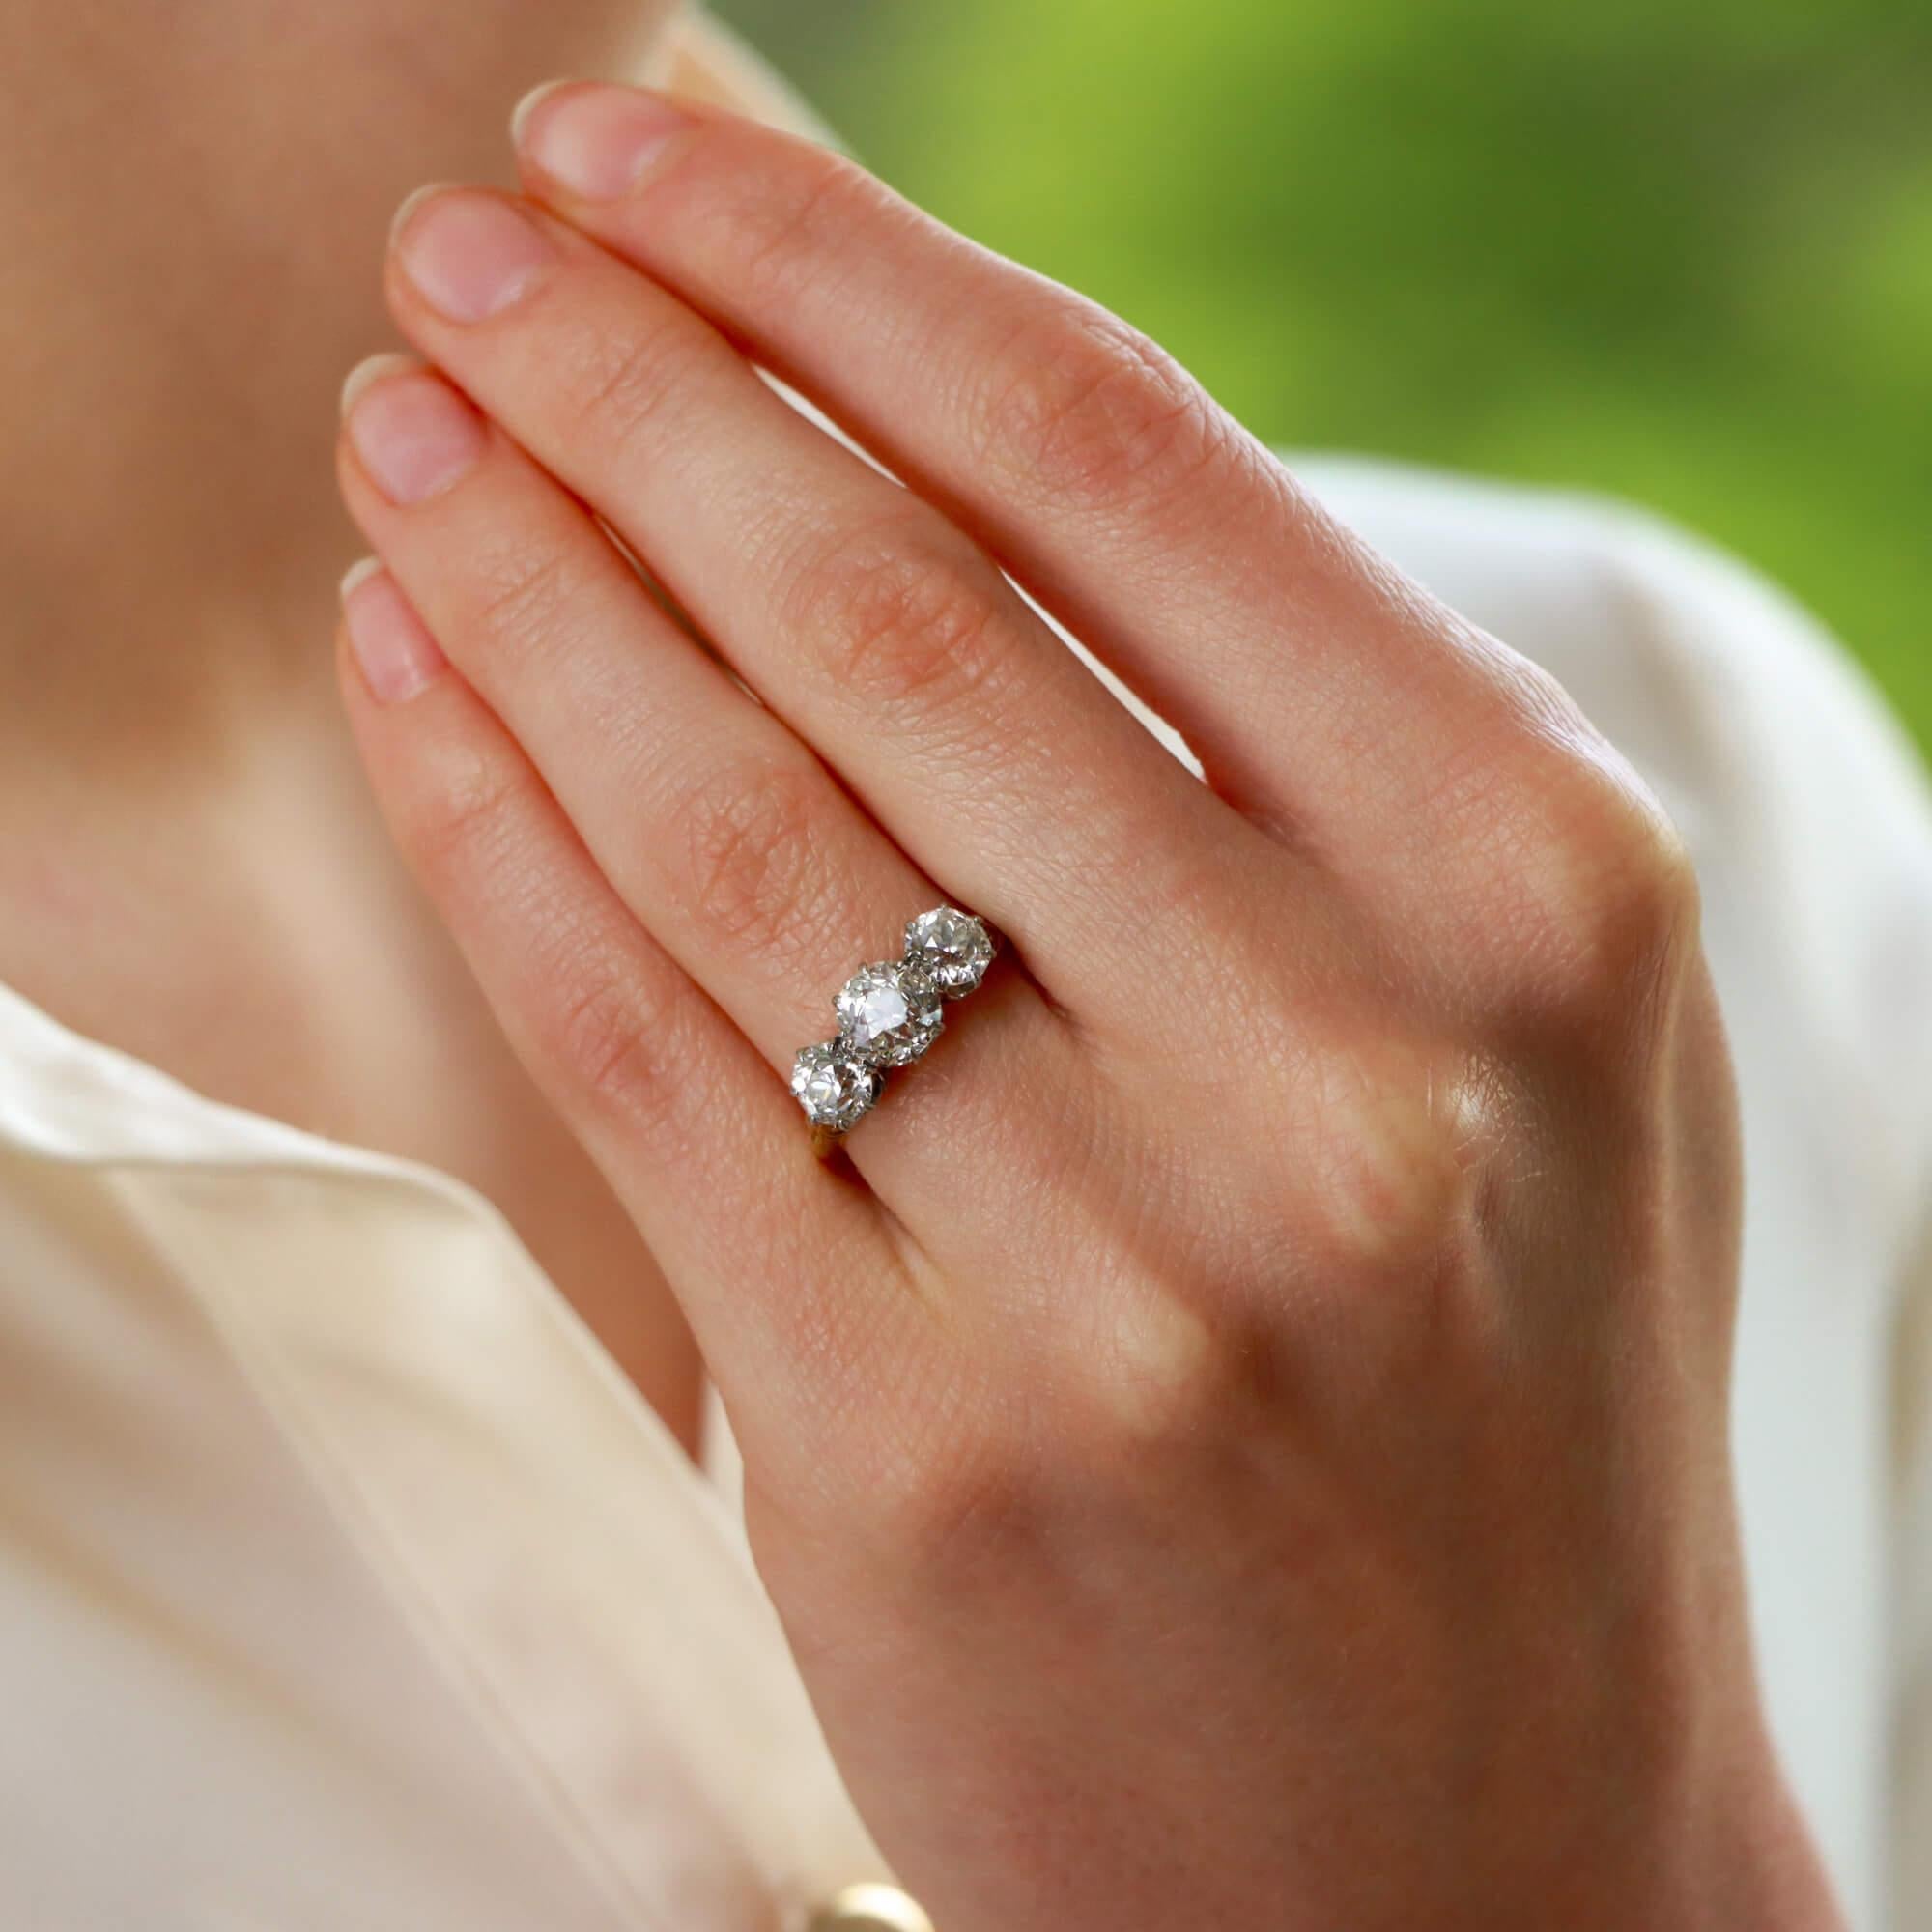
1802	801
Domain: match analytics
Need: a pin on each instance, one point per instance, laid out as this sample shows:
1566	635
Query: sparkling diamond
888	1013
833	1088
953	946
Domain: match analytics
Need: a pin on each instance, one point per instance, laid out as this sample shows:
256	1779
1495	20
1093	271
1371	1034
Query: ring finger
773	1260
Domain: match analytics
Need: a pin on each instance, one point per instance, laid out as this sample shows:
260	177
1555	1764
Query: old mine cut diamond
888	1012
832	1087
953	946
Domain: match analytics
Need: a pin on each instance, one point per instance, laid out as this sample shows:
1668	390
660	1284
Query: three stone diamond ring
889	1013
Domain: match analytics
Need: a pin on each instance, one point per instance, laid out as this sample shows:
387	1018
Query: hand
1237	1437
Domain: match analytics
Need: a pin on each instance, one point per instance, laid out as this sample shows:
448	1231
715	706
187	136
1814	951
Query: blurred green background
1680	252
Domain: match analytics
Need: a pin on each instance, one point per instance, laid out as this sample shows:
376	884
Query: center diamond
889	1013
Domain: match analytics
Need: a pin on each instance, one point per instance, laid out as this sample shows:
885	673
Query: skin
191	867
1256	1391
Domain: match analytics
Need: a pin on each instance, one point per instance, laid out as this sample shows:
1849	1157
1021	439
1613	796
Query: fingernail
411	202
393	648
371	369
593	139
413	434
468	253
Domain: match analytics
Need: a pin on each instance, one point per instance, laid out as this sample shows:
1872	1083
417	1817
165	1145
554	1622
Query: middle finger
975	738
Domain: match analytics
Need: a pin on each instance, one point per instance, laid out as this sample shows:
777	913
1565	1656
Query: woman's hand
1243	1440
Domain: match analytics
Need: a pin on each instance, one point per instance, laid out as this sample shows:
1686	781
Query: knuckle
1084	404
919	1457
523	594
459	817
894	616
1655	890
951	1519
620	1052
749	833
1158	1376
1539	705
786	217
617	383
1616	903
1384	1187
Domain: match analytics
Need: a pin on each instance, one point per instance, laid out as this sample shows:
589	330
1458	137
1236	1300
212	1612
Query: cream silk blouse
345	1582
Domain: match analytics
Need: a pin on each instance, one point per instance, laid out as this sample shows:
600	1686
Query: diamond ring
889	1013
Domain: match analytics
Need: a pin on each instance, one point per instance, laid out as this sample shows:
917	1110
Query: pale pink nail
594	140
413	435
393	649
469	253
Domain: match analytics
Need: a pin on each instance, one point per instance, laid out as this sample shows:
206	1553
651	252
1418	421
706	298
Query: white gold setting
890	1012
